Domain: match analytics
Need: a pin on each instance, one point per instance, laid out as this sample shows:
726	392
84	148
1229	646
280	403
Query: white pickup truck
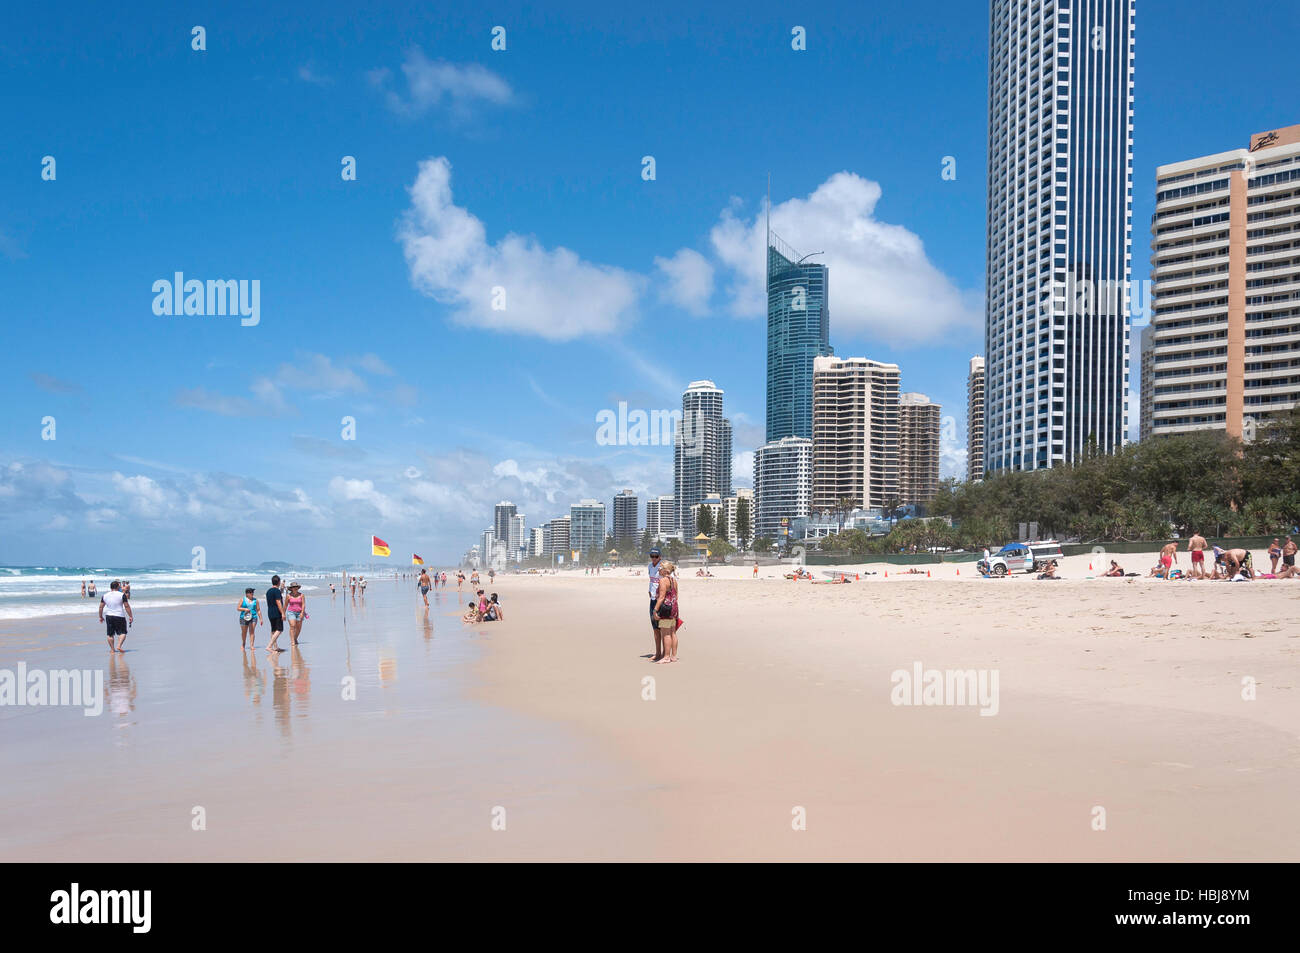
1020	557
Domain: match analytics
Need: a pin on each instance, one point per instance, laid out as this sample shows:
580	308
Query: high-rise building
975	420
557	538
625	515
502	515
798	330
855	433
1146	386
587	527
661	517
537	541
702	451
1058	257
518	538
1225	261
919	423
783	486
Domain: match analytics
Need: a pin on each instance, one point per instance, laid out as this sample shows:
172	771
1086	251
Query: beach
1119	732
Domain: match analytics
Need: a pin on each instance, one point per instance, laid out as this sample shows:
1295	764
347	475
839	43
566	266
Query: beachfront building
518	542
701	451
557	538
798	331
1059	220
503	513
919	422
661	517
587	527
1146	386
537	541
975	420
855	432
1225	262
783	486
626	505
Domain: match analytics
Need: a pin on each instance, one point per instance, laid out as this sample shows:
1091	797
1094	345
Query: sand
1124	696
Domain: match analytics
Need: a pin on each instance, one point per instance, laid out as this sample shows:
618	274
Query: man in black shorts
115	610
275	613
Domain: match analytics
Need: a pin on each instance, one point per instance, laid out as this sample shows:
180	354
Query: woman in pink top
295	608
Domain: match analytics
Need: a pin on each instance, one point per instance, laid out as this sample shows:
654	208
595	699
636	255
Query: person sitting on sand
1158	571
471	612
1049	571
494	610
1115	569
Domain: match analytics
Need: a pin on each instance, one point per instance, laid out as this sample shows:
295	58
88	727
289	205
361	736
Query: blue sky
477	169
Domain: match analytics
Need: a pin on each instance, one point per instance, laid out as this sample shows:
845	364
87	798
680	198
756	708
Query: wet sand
1114	694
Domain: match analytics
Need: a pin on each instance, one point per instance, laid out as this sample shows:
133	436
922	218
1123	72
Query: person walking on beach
275	614
248	613
115	611
1197	546
460	579
295	611
652	571
1274	554
1288	553
665	611
424	586
83	588
90	590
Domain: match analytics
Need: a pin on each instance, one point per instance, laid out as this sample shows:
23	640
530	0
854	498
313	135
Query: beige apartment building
1224	348
975	420
918	448
855	442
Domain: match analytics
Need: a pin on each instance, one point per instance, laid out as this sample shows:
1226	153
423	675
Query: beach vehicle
1021	557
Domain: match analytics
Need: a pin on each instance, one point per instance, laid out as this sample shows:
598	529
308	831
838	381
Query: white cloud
435	83
551	293
882	285
686	280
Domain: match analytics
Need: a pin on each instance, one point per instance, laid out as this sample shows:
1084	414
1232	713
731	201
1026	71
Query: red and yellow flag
416	560
378	547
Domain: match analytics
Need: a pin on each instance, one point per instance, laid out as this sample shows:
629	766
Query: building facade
919	424
975	420
855	433
661	517
1060	185
783	486
798	330
587	528
701	451
557	538
626	505
1225	261
503	513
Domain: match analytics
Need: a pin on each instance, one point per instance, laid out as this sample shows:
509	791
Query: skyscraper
701	452
855	433
798	330
587	528
661	516
975	420
503	514
557	538
783	486
518	538
919	422
1060	186
1224	337
625	515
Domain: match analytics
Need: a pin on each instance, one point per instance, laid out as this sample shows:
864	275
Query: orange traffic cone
927	574
959	572
1089	567
886	573
857	577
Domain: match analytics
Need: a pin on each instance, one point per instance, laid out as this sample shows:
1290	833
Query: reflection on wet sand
300	679
254	683
120	692
280	695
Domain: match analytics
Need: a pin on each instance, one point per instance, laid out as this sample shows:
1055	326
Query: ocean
33	592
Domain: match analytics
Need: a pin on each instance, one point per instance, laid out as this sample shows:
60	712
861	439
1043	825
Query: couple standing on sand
664	617
279	608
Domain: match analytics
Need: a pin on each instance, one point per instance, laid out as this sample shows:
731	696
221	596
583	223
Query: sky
441	331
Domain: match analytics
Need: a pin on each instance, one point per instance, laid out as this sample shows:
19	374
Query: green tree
743	527
675	549
720	524
764	544
647	544
719	548
704	522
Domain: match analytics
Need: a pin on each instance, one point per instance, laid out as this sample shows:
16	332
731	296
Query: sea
33	592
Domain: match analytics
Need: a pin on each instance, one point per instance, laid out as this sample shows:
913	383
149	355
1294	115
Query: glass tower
1060	222
798	330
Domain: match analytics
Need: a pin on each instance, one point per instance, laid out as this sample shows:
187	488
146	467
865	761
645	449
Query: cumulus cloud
686	280
882	284
516	284
432	84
